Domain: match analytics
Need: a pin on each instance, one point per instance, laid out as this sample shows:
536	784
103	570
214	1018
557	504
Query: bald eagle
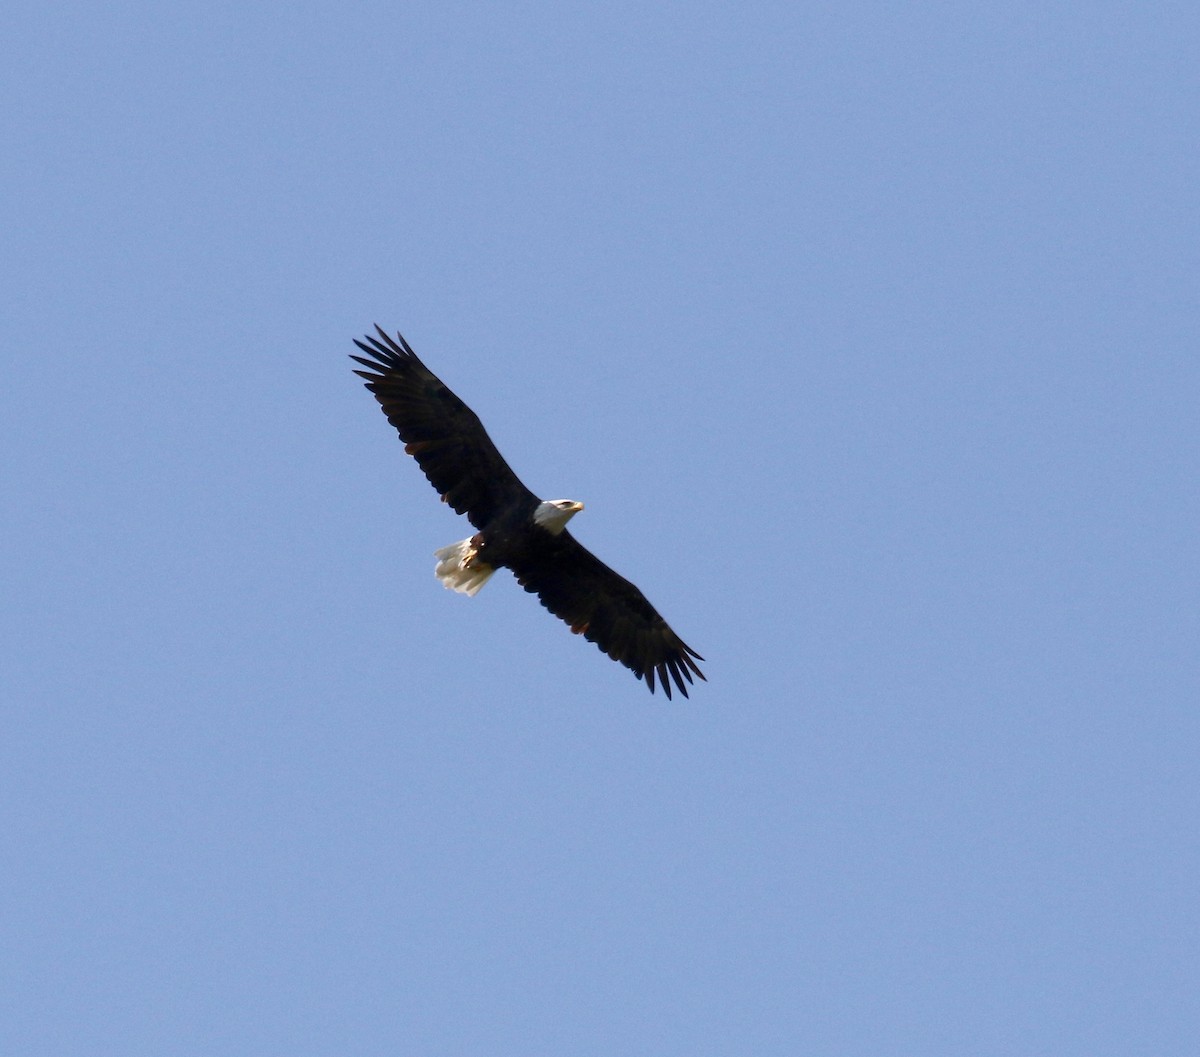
517	530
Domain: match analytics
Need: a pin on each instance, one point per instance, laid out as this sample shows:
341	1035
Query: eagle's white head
553	514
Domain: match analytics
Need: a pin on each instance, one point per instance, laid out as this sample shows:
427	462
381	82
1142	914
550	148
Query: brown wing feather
606	609
440	431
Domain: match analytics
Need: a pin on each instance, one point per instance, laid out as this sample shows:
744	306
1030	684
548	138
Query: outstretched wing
606	609
439	431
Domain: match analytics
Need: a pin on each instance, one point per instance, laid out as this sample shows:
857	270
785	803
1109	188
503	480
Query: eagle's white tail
459	568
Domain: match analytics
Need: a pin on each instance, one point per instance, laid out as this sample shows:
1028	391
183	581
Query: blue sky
868	335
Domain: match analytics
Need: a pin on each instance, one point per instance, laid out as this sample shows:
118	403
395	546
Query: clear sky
868	334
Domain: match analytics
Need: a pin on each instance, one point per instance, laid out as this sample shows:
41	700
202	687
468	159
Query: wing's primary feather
578	588
439	431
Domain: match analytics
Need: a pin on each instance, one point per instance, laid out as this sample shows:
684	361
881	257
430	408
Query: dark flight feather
593	600
444	435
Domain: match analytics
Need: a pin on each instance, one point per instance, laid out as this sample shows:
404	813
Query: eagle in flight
516	529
